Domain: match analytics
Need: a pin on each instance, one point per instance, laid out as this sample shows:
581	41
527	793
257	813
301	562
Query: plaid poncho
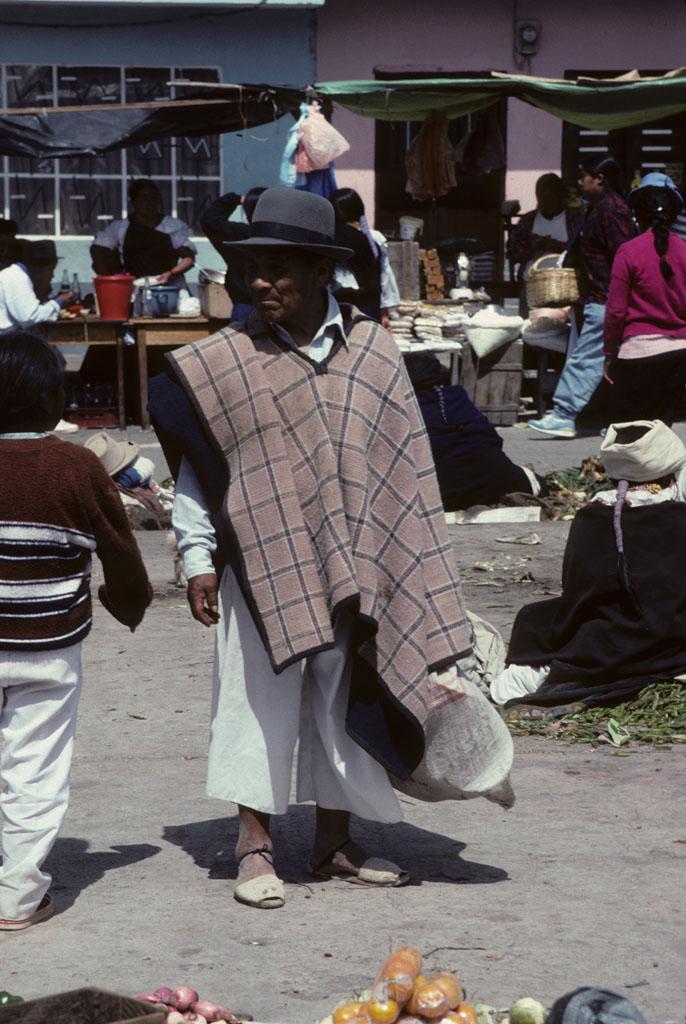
333	501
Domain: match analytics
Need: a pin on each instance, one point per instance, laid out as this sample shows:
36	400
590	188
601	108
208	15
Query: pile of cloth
620	622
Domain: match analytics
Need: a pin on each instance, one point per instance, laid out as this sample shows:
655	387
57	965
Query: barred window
78	196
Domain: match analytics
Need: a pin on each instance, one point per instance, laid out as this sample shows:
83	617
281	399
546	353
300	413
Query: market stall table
417	347
93	331
146	332
164	331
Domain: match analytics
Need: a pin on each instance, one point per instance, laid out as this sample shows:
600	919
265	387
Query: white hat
114	455
656	453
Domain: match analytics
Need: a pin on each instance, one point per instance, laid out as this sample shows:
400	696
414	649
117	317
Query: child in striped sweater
57	507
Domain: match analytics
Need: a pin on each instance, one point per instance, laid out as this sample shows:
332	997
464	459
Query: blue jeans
583	370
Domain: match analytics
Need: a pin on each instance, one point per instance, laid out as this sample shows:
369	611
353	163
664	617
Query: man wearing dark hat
29	271
313	536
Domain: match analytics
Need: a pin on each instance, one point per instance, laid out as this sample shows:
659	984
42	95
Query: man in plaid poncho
311	527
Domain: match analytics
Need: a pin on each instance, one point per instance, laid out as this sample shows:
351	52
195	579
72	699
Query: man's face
550	200
591	186
283	282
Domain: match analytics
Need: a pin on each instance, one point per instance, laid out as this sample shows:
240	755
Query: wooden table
168	331
92	331
455	348
147	332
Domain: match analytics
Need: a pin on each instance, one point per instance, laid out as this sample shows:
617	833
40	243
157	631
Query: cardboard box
82	1006
215	303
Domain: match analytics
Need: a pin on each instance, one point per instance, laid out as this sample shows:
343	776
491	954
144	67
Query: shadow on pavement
428	856
73	867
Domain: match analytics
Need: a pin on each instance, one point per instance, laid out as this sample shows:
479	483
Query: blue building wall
273	46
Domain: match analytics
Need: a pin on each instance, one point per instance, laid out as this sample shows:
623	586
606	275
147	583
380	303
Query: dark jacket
219	229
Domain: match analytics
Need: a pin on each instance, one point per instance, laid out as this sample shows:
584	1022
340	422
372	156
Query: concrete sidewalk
581	883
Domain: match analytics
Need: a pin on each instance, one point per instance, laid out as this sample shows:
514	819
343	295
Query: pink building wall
355	36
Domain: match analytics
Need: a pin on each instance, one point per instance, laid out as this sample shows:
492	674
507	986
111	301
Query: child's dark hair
609	168
31	376
657	208
347	204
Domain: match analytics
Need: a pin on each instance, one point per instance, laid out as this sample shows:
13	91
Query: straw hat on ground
114	455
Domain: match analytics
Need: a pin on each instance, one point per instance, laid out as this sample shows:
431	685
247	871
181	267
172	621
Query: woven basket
551	286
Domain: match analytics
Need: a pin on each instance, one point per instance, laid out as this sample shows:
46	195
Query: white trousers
257	718
39	696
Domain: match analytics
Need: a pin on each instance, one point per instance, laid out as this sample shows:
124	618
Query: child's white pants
39	694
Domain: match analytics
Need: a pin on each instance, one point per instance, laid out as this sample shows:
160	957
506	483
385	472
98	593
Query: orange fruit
382	1011
450	986
347	1013
397	983
431	1000
466	1013
412	956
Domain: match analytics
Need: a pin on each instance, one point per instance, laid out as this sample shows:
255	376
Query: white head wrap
655	454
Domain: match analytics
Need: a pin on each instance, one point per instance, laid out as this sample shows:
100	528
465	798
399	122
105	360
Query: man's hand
165	277
606	370
202	597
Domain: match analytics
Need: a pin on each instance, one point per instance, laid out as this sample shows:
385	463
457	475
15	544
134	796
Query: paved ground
581	883
522	445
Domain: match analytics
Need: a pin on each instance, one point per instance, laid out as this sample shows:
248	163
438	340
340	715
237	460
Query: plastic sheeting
89	131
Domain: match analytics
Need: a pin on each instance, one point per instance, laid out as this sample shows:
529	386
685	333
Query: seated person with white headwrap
620	622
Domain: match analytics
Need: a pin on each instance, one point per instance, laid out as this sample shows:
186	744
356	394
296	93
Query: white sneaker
64	427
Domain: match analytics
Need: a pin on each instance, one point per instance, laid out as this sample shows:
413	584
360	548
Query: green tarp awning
589	103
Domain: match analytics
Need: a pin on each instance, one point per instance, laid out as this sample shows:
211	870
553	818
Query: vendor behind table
25	282
146	244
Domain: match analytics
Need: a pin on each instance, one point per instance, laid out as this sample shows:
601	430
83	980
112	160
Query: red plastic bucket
114	296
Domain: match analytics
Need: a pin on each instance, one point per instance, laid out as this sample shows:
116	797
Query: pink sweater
640	300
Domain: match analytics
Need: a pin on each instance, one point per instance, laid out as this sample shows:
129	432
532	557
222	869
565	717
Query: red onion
183	997
210	1011
224	1014
165	995
175	1018
194	1018
153	1000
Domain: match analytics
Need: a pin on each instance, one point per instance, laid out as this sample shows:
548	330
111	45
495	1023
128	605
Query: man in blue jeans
608	223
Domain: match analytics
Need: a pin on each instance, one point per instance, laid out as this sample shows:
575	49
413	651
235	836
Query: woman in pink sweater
645	317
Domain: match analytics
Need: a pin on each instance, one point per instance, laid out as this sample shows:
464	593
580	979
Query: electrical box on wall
527	36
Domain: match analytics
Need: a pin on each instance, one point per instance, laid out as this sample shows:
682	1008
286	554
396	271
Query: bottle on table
64	284
75	288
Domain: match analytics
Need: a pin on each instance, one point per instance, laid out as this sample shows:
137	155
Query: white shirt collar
330	326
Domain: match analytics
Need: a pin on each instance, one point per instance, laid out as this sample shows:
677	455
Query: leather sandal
265	892
374	872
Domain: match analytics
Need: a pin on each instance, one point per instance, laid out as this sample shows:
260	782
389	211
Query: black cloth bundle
605	641
471	467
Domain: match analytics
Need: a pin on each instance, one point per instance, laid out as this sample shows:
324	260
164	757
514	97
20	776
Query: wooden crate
494	383
82	1006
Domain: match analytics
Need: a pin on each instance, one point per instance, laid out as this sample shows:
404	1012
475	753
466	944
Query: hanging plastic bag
320	144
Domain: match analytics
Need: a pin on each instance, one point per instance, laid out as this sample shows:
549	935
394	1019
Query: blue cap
657	180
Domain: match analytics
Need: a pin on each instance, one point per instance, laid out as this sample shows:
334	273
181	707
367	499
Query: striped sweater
57	507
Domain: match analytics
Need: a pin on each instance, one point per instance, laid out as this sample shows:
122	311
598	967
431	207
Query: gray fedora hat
286	218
